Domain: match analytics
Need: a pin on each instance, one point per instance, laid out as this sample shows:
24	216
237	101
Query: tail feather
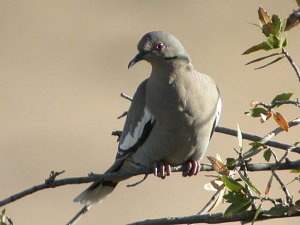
98	191
95	193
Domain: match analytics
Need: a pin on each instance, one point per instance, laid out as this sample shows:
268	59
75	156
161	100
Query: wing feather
138	124
218	115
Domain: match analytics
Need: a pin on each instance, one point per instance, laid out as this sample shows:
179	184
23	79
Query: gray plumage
172	115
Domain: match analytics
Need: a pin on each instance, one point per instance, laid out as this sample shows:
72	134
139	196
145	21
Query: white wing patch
219	109
135	133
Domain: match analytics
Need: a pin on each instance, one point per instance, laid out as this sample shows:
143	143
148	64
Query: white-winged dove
171	118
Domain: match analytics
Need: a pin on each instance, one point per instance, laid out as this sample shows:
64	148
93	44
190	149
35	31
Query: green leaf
276	25
262	58
256	144
237	208
267	154
281	98
239	203
284	42
240	138
232	185
232	197
262	46
297	203
278	210
273	41
249	183
258	210
256	112
270	63
295	171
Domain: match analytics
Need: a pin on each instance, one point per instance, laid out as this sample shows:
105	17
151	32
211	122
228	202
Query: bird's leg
192	168
161	169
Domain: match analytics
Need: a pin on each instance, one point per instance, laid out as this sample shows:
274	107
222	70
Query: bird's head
159	47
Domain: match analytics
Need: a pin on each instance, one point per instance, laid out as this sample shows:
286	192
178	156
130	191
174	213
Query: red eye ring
159	46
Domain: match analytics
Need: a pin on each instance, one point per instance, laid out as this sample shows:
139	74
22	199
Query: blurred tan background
63	65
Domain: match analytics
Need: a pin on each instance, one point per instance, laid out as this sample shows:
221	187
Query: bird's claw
161	169
192	168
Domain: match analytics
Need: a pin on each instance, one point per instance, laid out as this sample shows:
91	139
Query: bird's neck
167	70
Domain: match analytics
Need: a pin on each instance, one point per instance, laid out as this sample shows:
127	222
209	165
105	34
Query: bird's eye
159	46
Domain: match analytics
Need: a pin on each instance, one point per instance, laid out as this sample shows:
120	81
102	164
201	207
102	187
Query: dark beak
140	56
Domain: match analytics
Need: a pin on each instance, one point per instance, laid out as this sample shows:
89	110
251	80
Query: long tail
96	193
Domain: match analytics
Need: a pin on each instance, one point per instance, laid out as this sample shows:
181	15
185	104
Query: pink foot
192	168
161	169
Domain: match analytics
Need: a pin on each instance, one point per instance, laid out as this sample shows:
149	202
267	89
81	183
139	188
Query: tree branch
210	218
254	150
117	176
291	61
280	103
251	137
289	199
269	166
266	139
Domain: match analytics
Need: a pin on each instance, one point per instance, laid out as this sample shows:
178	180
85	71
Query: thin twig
290	102
276	104
123	95
117	133
295	179
283	157
289	199
274	201
211	203
291	61
274	155
52	176
83	211
122	115
244	169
